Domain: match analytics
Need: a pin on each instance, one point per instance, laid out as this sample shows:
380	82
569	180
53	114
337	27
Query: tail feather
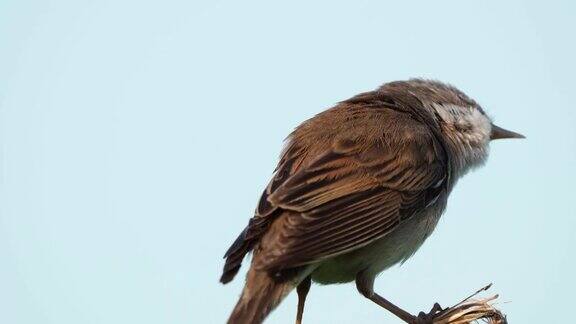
260	296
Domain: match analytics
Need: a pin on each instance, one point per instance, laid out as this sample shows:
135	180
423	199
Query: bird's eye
463	127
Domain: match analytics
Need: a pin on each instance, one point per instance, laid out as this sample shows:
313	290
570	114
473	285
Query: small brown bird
358	188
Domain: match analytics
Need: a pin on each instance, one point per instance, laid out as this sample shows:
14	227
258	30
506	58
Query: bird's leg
302	291
365	285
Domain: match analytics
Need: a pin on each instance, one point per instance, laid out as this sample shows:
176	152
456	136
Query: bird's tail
260	296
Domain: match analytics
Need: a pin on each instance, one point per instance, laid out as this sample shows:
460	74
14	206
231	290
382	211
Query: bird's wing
357	191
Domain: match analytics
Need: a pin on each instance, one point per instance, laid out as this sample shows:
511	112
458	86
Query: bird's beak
499	132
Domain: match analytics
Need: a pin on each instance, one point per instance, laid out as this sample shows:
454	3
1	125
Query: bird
358	188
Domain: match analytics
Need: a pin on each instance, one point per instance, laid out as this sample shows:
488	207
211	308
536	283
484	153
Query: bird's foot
428	318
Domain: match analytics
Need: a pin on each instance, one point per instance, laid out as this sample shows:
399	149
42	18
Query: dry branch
472	310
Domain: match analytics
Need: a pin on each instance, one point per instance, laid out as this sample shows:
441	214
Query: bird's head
465	126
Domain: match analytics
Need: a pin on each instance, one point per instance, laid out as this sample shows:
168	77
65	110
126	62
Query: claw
436	308
428	318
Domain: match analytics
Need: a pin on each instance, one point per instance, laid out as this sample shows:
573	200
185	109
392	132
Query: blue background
136	137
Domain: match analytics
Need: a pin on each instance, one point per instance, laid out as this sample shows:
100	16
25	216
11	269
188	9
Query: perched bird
358	188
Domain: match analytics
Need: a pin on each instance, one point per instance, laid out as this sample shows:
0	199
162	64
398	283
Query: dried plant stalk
472	310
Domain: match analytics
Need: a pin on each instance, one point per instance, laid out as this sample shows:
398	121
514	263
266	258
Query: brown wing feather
349	199
346	178
265	213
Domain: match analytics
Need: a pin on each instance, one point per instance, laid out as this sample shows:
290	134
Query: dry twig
471	310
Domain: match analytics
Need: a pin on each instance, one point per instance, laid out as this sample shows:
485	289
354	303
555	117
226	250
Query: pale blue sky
136	137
